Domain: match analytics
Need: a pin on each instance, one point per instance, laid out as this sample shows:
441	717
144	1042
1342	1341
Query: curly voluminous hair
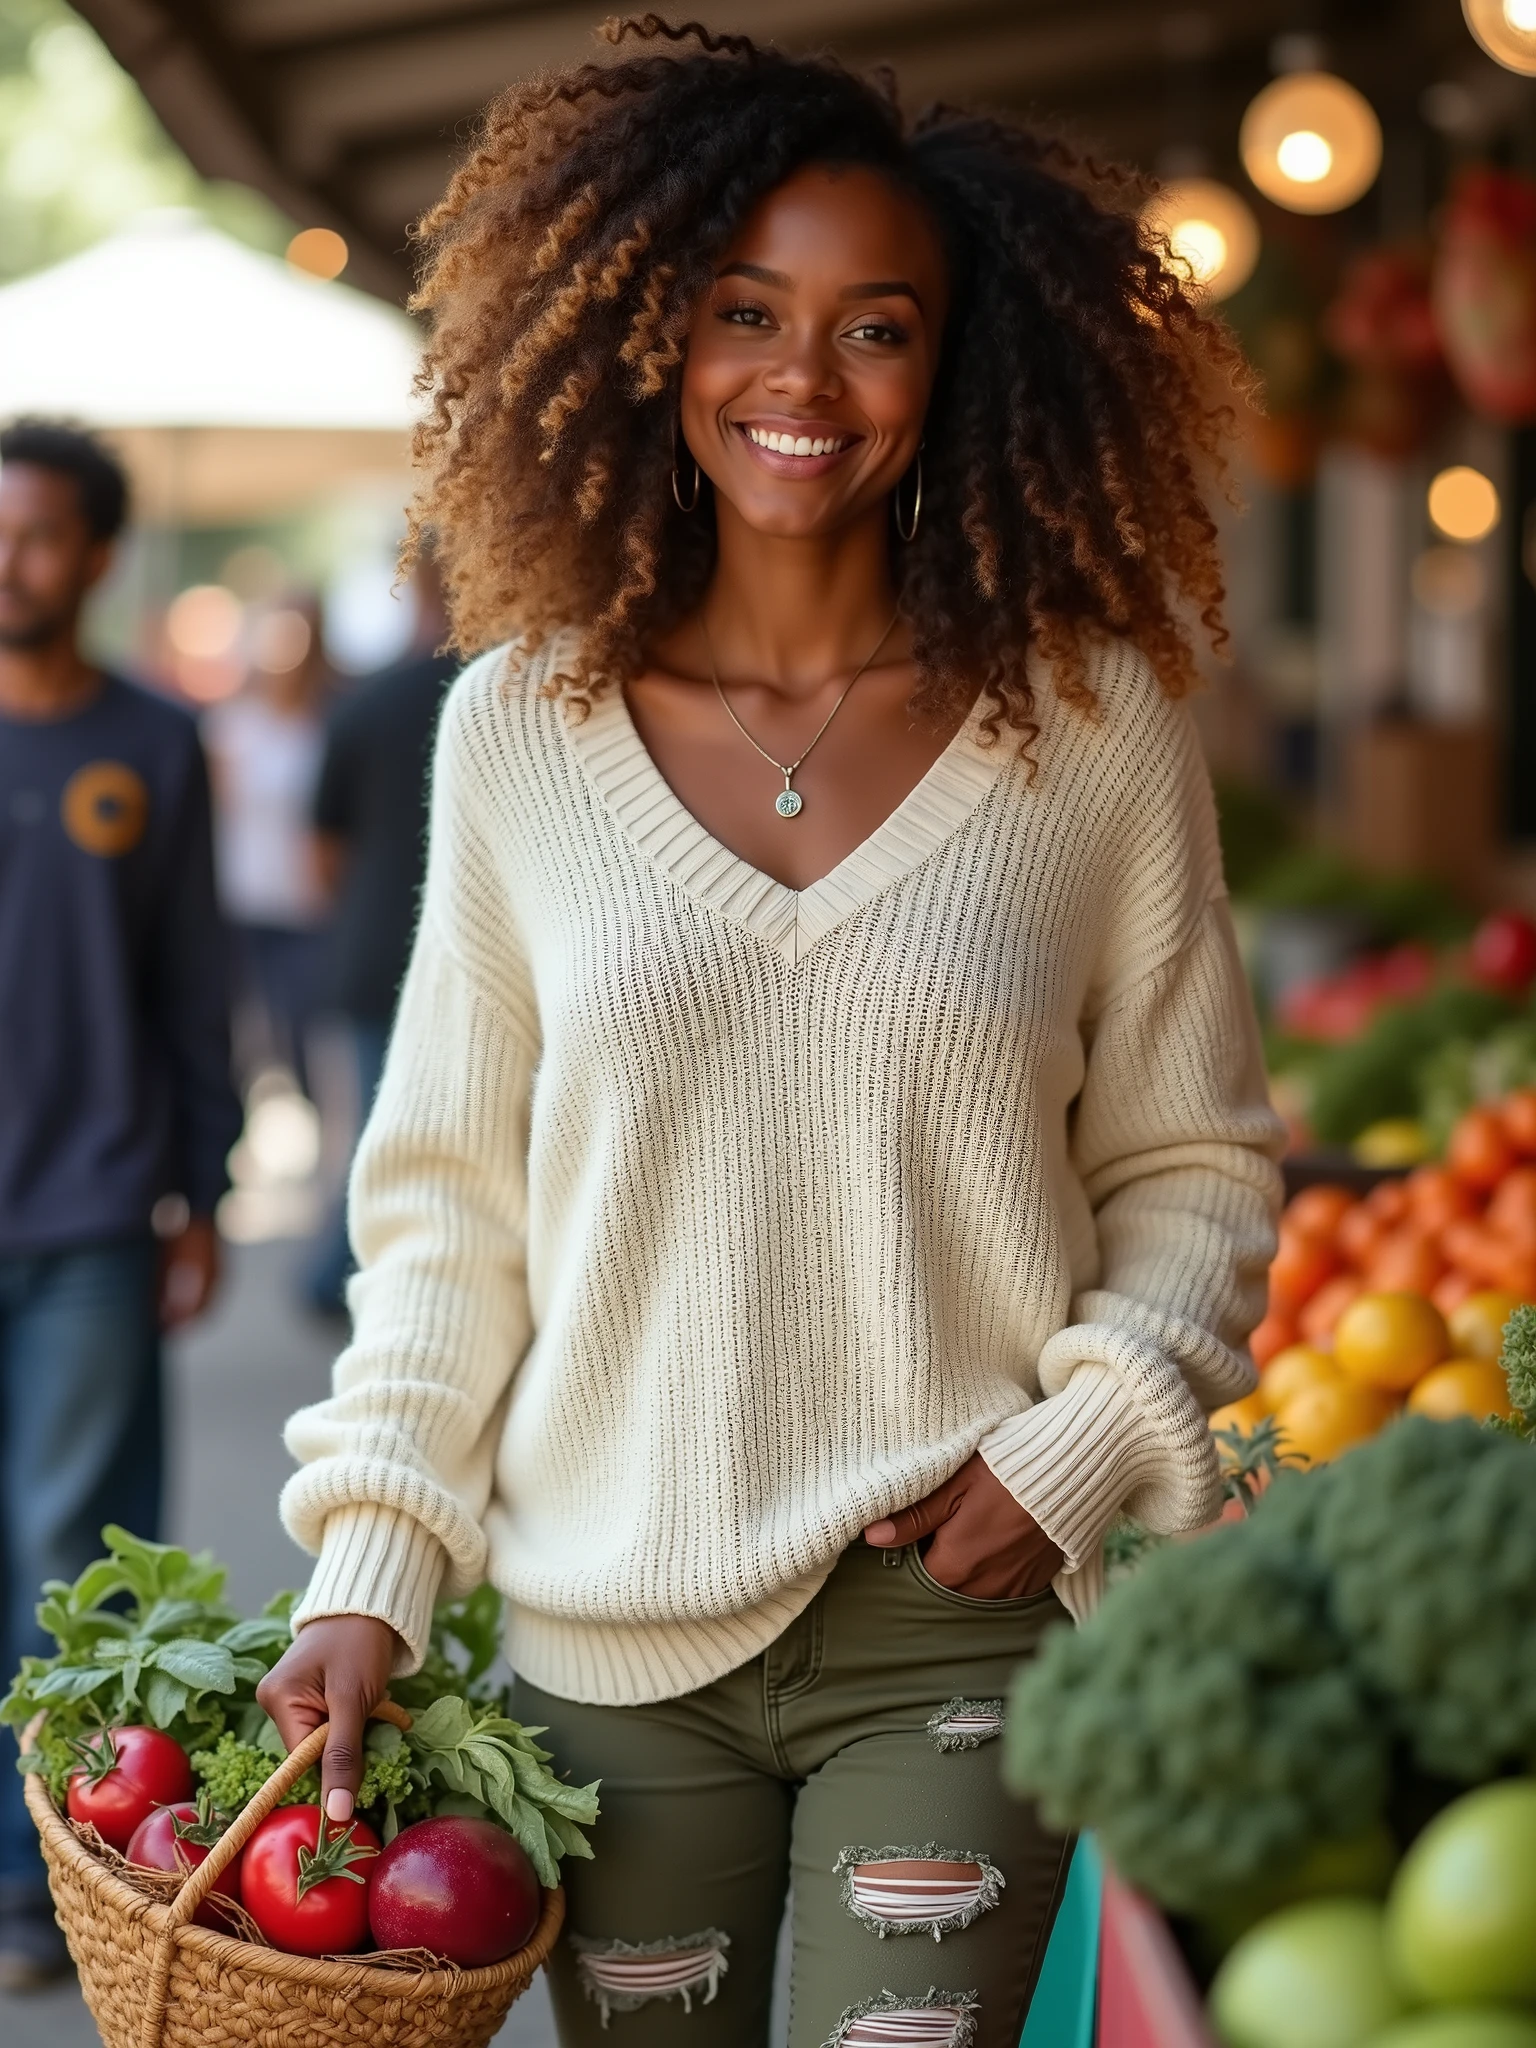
1081	401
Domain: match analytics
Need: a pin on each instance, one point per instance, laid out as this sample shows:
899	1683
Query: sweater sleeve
1176	1147
396	1466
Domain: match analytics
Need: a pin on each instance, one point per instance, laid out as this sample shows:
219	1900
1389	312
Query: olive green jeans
852	1767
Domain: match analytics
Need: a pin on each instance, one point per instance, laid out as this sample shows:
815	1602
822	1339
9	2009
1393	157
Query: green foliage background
81	153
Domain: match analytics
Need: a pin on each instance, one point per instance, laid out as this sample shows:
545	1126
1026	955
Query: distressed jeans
80	1445
853	1768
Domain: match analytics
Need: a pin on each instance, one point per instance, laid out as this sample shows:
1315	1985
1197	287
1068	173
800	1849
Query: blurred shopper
114	1075
266	745
371	815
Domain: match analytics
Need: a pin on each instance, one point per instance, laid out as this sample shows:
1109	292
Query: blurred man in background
114	1076
371	814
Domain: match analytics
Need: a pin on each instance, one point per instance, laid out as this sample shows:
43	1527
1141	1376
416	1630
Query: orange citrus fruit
1323	1420
1390	1340
1297	1367
1243	1416
1477	1326
1462	1386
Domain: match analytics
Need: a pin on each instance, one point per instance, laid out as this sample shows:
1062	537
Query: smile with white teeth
798	444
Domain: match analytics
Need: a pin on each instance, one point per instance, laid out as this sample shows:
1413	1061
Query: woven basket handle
201	1881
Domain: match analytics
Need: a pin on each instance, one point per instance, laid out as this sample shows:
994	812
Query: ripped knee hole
926	1890
940	2019
621	1976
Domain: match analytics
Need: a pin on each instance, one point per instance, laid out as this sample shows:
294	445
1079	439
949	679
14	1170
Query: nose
804	368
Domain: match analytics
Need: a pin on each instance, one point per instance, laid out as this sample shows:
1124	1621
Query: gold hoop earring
698	480
908	531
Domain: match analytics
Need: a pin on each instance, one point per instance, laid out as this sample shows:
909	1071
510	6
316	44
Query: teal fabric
1062	2013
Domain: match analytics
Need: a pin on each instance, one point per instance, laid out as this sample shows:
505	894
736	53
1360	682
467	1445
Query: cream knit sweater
703	1222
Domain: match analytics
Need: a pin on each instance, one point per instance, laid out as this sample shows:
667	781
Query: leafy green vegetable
144	1635
1518	1358
1242	1699
495	1763
1374	1076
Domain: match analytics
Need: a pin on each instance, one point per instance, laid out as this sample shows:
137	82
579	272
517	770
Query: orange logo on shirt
105	808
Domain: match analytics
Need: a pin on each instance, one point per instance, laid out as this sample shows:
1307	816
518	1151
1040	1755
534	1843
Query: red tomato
460	1887
308	1899
178	1838
1503	952
1300	1267
1517	1113
1318	1210
1479	1153
124	1773
1275	1334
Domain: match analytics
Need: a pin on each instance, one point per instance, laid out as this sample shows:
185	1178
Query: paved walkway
233	1381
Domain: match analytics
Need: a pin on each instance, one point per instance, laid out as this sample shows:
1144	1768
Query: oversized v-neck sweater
703	1221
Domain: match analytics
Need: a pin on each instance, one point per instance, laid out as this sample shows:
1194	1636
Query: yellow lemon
1477	1324
1390	1340
1462	1386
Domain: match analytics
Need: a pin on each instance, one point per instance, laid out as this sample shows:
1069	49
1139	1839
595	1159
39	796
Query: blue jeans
80	1445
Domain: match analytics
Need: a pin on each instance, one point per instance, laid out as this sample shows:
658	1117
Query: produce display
153	1741
1309	1734
1387	1053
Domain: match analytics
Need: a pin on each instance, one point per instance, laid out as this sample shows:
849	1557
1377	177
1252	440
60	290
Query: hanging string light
1213	238
1311	143
1507	31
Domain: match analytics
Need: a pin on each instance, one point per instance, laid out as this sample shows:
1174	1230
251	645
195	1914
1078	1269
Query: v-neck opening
620	767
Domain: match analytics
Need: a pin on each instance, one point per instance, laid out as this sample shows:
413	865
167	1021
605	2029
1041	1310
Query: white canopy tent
234	385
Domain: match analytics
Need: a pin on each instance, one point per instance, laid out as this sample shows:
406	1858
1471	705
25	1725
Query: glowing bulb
1311	143
1507	31
1305	156
319	251
1212	236
1201	245
1463	504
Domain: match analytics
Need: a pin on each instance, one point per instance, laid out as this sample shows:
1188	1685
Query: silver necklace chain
789	803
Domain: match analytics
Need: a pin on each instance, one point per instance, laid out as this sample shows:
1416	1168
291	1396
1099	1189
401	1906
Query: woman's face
809	366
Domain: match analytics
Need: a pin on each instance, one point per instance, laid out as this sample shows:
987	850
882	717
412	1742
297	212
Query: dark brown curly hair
1079	409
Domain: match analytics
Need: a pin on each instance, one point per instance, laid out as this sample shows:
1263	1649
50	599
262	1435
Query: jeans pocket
969	1602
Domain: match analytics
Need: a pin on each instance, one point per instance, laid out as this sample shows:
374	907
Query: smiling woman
822	1171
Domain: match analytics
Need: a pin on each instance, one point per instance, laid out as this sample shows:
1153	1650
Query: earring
908	530
677	496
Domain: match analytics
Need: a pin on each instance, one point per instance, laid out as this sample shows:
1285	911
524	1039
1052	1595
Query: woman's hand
336	1669
984	1543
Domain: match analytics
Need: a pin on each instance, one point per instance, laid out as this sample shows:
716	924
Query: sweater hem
634	1664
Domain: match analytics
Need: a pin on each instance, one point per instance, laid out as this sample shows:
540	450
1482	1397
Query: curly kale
1427	1535
1204	1721
1241	1700
1518	1358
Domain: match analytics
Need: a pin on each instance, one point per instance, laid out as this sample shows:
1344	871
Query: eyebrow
878	288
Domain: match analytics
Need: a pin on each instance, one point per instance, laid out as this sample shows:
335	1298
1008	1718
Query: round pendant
789	803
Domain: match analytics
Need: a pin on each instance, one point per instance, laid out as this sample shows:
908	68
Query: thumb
341	1765
908	1525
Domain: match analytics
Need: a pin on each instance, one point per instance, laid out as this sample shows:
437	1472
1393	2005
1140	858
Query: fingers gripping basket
153	1980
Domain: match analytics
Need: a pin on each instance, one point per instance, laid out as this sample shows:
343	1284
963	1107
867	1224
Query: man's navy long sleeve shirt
114	1024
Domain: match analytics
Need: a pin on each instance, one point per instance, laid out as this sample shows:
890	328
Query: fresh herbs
145	1636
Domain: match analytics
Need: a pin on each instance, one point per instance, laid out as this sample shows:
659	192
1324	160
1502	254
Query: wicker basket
153	1980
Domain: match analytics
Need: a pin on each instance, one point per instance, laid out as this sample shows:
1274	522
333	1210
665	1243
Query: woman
822	1167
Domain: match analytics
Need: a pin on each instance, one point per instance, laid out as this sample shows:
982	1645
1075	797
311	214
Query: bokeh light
1506	29
1212	235
319	251
1311	143
1463	504
204	622
281	641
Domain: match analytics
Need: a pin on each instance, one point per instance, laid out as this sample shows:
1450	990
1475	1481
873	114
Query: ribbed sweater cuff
1073	1460
375	1561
